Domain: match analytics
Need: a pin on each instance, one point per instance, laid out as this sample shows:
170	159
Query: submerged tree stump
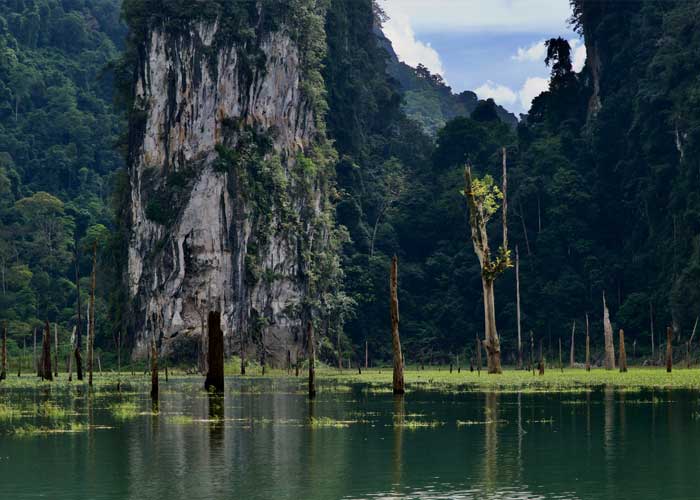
312	360
398	380
623	353
215	354
669	349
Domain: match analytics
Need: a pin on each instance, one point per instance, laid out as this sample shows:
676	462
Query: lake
264	440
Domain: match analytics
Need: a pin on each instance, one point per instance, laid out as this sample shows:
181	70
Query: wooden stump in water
312	360
398	380
623	353
215	353
669	349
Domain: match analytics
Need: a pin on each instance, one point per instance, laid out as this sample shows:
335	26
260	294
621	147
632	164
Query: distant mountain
427	99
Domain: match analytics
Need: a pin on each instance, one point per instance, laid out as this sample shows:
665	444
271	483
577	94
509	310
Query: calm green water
256	444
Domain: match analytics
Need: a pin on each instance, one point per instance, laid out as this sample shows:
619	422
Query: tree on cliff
483	197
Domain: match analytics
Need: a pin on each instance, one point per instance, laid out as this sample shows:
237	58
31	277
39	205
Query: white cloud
532	87
578	51
408	48
502	94
514	16
534	53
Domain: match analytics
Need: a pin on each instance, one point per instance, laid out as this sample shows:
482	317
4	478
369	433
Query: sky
493	47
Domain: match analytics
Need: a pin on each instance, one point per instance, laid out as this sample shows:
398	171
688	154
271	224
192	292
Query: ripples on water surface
265	442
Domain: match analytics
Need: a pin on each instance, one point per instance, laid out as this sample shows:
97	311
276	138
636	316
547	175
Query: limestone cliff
227	202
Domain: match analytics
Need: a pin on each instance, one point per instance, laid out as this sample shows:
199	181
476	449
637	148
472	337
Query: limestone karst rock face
221	206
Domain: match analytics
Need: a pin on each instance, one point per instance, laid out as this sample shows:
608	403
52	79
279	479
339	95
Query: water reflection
255	442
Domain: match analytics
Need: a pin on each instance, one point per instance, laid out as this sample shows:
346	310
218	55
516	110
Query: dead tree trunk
366	355
91	328
571	354
540	366
517	310
242	353
340	357
609	343
119	360
398	382
34	359
46	372
651	326
561	364
70	357
312	360
79	326
532	352
480	202
55	350
623	353
669	349
588	346
154	369
478	356
215	354
3	371
690	343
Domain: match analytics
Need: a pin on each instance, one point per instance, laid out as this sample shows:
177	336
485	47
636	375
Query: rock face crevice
199	239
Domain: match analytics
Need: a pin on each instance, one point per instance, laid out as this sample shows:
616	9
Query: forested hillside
59	154
604	179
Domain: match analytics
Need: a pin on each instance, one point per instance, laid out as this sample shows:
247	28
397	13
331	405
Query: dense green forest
604	187
59	158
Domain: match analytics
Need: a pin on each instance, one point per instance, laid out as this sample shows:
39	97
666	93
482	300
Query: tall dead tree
154	369
623	352
532	352
651	326
609	342
70	356
540	366
78	331
517	309
46	372
34	359
91	327
366	355
571	354
669	349
482	197
561	364
312	359
478	356
215	354
55	350
588	345
690	343
398	382
3	369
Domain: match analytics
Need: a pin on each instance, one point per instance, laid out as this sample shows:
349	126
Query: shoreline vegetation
379	380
